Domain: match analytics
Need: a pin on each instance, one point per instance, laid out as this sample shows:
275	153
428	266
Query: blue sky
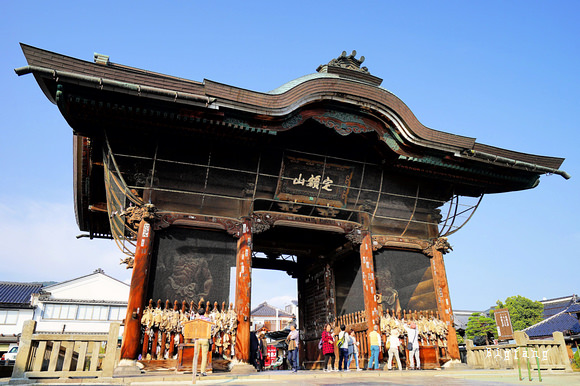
505	72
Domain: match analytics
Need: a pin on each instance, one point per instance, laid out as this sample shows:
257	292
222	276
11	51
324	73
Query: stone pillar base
127	368
242	368
454	364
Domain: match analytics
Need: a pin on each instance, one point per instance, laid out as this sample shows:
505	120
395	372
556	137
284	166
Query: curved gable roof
344	86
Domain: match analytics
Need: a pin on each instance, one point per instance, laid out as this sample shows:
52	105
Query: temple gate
193	178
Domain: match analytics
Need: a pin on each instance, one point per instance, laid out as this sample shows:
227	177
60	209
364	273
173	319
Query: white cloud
280	301
39	243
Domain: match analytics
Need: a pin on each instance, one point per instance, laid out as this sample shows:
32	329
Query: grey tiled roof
574	308
461	317
14	294
562	321
264	309
554	306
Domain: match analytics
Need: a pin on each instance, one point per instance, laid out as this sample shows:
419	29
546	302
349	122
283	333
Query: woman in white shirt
394	343
354	350
412	335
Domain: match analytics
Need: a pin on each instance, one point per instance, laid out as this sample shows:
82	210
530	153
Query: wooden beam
444	301
244	291
137	292
369	282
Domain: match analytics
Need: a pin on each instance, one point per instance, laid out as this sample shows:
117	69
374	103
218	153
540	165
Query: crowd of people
348	348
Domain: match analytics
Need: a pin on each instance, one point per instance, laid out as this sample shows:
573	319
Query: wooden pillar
244	291
137	292
368	281
444	301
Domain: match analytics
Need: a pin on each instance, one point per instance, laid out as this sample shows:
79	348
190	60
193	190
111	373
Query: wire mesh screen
405	280
192	264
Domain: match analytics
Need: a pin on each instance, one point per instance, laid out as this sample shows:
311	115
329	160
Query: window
101	313
81	312
85	313
8	316
60	311
49	311
117	313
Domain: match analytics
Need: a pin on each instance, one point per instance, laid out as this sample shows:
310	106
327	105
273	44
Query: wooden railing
549	353
65	355
432	354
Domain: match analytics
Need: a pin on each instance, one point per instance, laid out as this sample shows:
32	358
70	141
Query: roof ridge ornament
349	62
349	67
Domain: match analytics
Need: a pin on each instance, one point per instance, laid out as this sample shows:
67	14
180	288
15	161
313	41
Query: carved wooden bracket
134	214
129	261
261	222
355	236
231	226
383	241
441	244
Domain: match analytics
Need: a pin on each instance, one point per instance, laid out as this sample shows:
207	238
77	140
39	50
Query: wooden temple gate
192	179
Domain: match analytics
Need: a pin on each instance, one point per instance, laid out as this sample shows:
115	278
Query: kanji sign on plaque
314	182
504	324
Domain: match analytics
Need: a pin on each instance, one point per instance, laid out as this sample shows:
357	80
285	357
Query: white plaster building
87	304
270	317
15	309
292	309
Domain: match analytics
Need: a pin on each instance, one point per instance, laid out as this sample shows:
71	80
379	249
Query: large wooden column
244	291
443	300
368	281
137	292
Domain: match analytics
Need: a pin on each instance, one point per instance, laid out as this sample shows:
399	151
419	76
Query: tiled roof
287	98
17	293
83	301
574	308
264	309
554	306
461	317
562	321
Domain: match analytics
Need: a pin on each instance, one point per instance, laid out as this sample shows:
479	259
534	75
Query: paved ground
429	377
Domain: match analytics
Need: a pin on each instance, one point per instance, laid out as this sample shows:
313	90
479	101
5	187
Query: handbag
292	345
410	346
320	344
341	341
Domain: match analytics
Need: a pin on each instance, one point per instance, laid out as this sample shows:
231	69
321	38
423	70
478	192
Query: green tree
459	338
523	311
480	325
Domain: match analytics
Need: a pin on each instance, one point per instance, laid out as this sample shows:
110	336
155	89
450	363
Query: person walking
203	343
263	349
375	343
394	343
327	341
343	339
292	341
254	356
354	350
413	346
350	351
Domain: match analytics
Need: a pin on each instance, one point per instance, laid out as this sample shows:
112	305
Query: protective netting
456	213
119	199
